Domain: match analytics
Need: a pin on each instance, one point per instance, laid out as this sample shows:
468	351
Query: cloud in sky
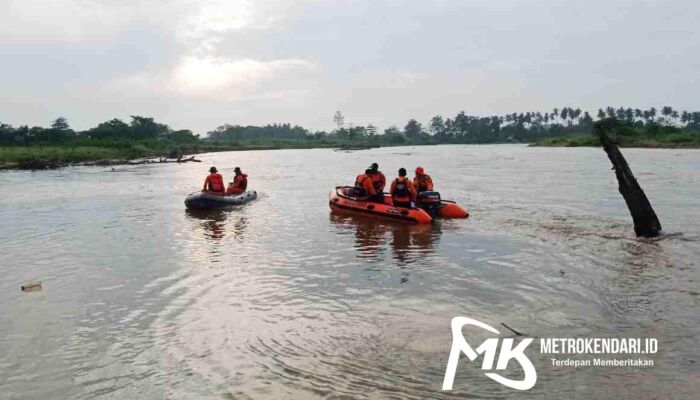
210	78
199	64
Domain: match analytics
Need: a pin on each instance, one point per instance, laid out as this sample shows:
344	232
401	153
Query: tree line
461	128
111	133
522	127
465	128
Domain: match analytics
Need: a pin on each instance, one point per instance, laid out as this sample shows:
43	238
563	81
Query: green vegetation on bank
58	145
630	136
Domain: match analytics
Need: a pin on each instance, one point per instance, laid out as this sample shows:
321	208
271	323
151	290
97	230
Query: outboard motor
430	201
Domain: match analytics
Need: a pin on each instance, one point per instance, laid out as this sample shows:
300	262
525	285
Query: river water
280	299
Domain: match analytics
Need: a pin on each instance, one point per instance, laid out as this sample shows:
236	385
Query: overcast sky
200	64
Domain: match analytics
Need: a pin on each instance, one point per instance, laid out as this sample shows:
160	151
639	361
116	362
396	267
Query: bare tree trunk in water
645	221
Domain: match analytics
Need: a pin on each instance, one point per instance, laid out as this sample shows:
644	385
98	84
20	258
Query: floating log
191	158
163	160
31	287
645	221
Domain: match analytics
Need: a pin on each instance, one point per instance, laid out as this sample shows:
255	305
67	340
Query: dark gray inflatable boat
204	200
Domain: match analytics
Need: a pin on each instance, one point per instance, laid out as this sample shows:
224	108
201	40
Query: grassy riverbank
631	138
56	156
116	141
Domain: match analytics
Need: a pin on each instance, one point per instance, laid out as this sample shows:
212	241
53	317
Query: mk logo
489	348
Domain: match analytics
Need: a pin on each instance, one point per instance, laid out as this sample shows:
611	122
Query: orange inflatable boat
435	206
450	209
431	202
341	199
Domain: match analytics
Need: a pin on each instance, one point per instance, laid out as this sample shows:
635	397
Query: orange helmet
420	170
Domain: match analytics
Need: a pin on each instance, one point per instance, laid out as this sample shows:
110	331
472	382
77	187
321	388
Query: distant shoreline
56	157
664	142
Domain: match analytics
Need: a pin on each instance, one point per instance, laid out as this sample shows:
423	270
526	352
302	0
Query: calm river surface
280	299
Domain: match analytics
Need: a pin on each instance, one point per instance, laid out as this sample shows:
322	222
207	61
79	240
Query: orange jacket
379	181
402	197
214	183
364	181
423	182
240	181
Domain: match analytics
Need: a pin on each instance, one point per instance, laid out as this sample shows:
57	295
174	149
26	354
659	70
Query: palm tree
685	117
610	111
587	117
620	113
638	113
601	113
666	111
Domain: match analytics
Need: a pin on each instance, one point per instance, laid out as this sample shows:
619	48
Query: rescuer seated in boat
422	181
402	190
214	182
379	182
364	186
239	184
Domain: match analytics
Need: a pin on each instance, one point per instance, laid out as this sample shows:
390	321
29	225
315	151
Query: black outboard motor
429	200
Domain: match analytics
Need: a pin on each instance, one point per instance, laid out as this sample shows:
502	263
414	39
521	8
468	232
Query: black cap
237	169
374	166
212	169
402	171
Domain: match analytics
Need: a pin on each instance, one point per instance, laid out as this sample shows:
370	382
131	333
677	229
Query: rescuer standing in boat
214	182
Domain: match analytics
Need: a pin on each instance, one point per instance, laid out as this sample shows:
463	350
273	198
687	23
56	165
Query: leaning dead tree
645	221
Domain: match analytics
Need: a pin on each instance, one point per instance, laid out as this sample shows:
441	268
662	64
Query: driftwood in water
645	221
53	163
180	159
162	160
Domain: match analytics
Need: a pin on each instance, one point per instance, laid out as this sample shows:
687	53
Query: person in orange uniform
364	186
402	190
214	182
240	182
379	182
422	181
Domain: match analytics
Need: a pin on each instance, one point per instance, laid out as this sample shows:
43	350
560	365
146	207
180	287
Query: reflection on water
407	242
213	222
215	225
275	299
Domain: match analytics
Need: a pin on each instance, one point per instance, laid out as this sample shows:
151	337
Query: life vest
402	191
423	182
378	181
214	183
240	181
360	184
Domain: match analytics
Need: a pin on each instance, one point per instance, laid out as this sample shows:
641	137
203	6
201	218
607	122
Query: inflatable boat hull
447	208
450	209
340	201
208	200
